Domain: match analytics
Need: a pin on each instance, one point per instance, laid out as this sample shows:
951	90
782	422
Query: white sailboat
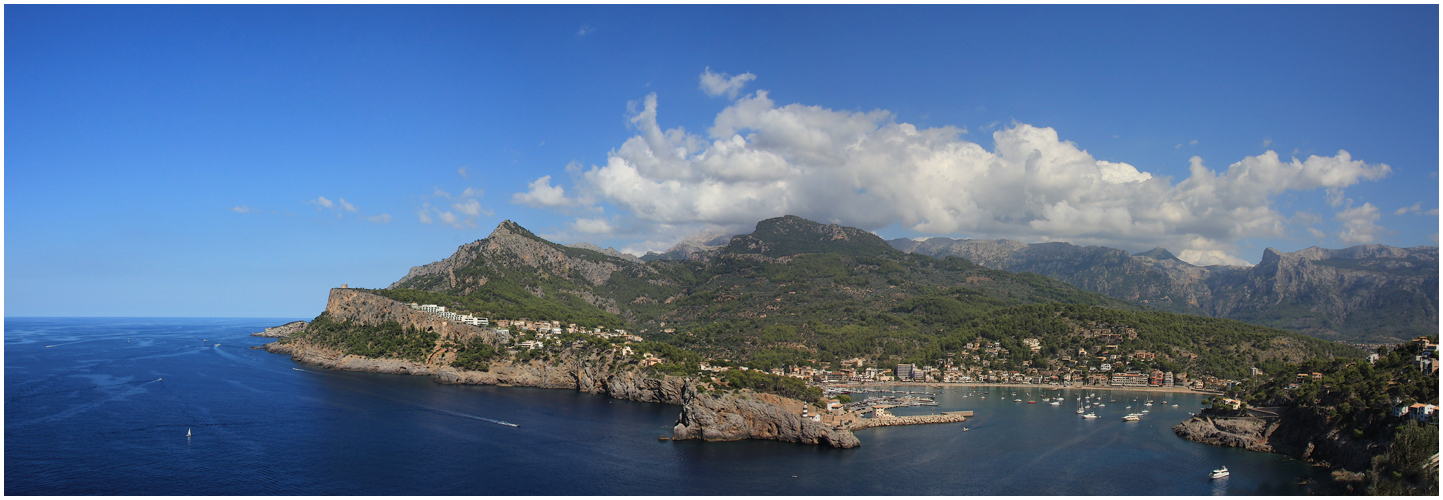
187	432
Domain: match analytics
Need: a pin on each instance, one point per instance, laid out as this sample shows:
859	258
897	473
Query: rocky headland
1296	432
282	331
706	414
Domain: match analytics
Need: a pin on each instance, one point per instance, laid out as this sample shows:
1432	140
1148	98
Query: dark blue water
106	409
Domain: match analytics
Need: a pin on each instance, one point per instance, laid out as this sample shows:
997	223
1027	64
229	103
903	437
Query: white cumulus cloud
380	219
867	170
543	194
593	226
717	84
1417	208
1359	224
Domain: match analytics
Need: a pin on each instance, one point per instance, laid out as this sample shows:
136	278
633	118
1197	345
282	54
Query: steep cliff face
750	415
710	417
1366	292
364	308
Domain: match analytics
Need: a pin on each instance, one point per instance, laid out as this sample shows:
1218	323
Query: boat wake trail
473	417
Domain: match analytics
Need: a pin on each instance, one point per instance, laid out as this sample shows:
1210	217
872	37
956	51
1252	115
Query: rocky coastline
282	331
705	415
1297	433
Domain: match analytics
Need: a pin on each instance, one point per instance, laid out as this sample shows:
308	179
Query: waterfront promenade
868	385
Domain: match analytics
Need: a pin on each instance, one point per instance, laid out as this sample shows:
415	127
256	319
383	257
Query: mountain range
1365	293
797	292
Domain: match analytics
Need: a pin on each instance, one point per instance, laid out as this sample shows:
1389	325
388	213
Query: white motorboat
1219	473
1131	418
1090	415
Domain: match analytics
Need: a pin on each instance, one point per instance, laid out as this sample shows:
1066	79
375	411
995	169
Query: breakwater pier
944	418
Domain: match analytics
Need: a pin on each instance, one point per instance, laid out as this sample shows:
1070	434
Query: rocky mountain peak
700	246
1158	253
791	235
508	228
611	251
1270	256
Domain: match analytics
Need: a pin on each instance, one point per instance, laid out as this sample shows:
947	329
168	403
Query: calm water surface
102	406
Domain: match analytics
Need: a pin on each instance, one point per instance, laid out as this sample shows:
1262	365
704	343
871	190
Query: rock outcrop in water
282	331
1246	433
750	415
708	416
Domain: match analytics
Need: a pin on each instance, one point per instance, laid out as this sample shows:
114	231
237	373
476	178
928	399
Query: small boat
964	429
1131	418
1019	400
1032	402
1056	403
1219	473
187	432
1090	415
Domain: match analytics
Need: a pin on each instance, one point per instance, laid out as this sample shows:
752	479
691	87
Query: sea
184	406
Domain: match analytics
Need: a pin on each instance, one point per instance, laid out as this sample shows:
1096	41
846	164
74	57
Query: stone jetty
949	417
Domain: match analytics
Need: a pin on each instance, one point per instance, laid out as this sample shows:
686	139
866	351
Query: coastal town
1103	366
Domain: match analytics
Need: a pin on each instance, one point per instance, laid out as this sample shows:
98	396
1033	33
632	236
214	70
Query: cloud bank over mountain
867	170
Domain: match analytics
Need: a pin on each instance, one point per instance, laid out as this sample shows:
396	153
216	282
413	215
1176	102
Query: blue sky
242	160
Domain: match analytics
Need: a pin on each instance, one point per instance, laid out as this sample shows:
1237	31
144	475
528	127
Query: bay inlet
90	417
